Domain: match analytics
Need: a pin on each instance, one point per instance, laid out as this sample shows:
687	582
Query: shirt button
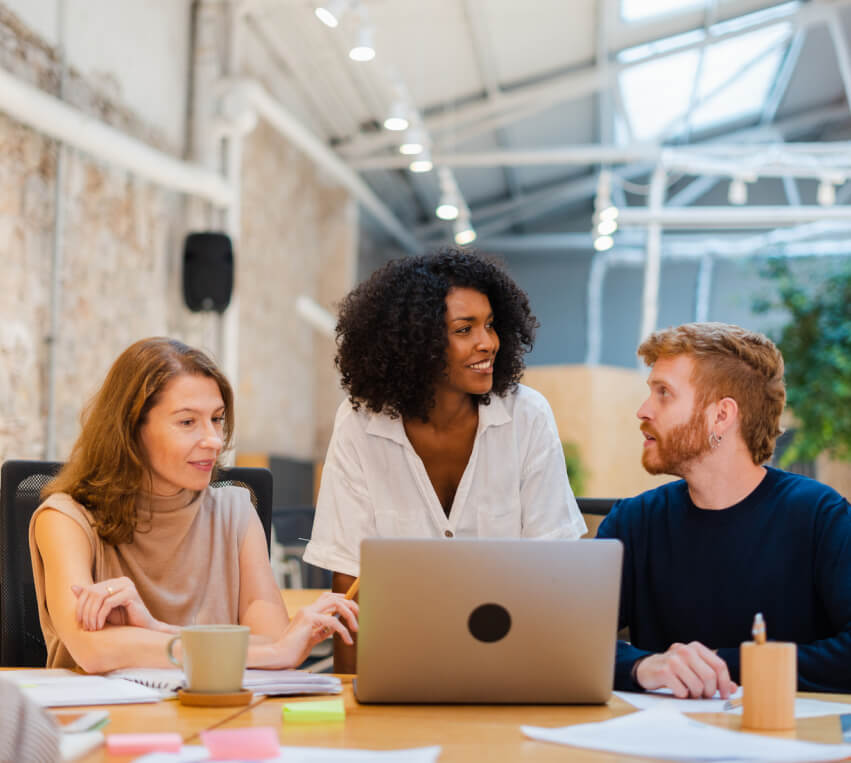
449	534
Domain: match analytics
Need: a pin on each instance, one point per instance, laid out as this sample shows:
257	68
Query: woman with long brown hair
131	543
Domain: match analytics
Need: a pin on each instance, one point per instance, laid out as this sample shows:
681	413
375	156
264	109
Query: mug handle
169	647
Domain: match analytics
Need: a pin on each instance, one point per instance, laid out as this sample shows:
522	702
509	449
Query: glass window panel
657	92
638	10
745	93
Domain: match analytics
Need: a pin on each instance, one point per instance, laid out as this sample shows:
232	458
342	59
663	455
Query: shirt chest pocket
394	524
499	517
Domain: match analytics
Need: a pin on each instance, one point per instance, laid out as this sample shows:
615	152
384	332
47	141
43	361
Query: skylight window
735	78
639	10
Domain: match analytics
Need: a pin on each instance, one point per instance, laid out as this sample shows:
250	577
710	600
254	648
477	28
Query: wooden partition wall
595	408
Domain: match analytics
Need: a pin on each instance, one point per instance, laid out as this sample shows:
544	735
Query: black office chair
21	483
594	510
598	506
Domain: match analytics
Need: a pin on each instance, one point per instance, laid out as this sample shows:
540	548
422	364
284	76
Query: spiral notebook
271	682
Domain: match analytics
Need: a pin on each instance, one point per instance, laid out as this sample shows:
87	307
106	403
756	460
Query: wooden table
296	598
465	732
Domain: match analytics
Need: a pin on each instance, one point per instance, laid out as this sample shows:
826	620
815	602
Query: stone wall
298	238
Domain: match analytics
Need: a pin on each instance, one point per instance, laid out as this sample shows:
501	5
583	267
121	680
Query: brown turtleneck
184	558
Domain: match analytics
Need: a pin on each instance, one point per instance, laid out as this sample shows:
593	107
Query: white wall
136	52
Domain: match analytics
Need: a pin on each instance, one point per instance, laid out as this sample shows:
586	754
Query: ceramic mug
213	657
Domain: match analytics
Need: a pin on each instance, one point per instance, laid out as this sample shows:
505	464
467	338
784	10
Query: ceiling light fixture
826	193
331	12
607	227
464	231
414	143
422	163
447	208
603	243
737	193
365	49
605	219
397	117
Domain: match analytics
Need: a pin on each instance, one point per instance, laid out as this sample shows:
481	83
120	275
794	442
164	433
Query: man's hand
688	670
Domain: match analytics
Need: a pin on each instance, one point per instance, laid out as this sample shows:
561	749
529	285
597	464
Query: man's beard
682	445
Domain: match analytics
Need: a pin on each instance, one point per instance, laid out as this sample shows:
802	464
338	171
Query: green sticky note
316	711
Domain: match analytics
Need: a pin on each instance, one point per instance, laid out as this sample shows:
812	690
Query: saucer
214	699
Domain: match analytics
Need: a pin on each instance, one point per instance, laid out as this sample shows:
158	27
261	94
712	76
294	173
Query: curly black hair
392	338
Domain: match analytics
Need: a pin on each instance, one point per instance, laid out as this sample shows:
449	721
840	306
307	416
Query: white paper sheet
270	682
193	753
665	733
804	707
52	689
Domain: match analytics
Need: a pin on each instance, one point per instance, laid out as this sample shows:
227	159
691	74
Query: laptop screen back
488	621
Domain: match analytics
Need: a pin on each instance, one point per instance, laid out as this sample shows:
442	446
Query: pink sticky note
259	743
139	744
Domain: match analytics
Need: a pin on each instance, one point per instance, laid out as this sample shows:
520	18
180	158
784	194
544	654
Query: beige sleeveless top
183	559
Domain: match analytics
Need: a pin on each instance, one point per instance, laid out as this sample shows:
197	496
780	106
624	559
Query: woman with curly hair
131	542
437	439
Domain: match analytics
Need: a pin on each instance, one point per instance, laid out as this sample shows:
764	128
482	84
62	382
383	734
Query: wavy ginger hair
730	362
108	467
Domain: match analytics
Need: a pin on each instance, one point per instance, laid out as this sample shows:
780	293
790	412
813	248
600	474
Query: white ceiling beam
784	77
539	202
732	217
723	159
576	84
59	120
840	46
816	238
255	96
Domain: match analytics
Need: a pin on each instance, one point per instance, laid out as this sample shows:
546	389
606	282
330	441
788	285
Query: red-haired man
732	537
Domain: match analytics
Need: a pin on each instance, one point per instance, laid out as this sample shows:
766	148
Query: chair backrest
21	641
21	483
594	510
599	506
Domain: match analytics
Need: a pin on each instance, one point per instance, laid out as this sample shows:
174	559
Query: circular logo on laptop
489	622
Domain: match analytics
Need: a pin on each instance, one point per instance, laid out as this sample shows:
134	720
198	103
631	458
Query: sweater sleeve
825	665
626	654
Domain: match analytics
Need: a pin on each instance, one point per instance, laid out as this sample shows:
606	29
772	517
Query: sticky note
139	744
316	711
259	743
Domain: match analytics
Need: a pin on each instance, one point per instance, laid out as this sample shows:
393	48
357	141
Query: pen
353	589
730	704
758	629
351	593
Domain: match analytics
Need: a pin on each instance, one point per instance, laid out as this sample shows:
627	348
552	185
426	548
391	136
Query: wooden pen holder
769	675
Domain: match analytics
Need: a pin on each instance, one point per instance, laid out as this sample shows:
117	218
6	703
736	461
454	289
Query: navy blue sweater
692	574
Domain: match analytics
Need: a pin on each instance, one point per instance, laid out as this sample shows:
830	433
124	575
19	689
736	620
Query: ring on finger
109	590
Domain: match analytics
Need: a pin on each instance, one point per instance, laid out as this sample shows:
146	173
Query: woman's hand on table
315	623
115	602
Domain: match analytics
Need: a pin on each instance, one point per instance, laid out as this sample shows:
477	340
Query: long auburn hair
108	467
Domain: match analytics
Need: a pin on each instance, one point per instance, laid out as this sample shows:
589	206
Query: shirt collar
382	425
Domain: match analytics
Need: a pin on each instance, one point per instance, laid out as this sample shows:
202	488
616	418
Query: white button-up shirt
375	485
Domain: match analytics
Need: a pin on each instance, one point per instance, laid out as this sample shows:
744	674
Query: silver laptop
488	621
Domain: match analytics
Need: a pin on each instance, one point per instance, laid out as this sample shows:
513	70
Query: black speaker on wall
207	271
